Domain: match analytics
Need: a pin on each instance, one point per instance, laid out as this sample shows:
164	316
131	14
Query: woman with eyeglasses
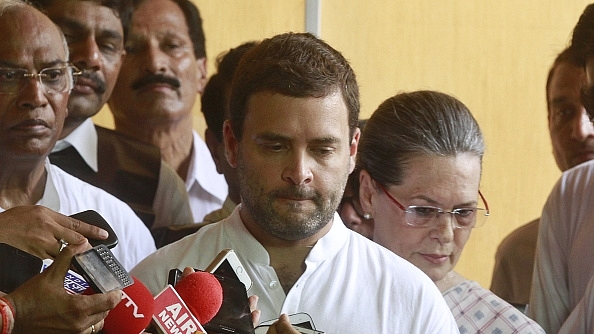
420	160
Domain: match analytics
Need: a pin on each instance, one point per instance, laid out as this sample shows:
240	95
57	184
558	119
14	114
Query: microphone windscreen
202	293
134	313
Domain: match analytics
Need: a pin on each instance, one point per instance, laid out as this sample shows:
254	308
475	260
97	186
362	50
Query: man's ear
231	144
353	147
201	74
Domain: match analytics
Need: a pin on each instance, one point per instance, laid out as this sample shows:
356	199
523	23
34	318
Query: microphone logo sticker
172	316
130	302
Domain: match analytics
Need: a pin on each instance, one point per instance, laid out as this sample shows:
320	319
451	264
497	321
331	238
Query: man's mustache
92	76
156	78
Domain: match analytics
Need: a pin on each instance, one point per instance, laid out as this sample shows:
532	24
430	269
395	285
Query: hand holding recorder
42	305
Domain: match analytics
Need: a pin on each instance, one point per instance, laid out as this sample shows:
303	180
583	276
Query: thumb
58	269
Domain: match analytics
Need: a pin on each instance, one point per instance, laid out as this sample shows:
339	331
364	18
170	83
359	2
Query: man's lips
157	86
31	125
84	86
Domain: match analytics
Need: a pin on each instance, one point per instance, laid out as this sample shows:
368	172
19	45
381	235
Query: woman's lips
435	258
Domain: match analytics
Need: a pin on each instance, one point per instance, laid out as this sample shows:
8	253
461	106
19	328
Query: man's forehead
145	12
29	35
85	15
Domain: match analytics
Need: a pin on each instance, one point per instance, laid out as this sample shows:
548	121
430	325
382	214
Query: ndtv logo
130	302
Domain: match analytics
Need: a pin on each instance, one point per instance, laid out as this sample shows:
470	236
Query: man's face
161	77
293	162
96	41
572	133
32	118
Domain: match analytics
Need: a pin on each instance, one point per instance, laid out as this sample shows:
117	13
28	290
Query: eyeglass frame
74	73
439	210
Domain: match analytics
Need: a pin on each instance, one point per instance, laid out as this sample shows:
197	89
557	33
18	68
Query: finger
187	271
253	300
99	325
256	317
83	229
57	270
95	328
106	301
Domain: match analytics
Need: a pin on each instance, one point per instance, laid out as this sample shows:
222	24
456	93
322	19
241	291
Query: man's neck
21	186
174	139
70	124
288	263
286	257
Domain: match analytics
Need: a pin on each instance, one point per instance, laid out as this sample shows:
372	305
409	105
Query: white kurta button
273	284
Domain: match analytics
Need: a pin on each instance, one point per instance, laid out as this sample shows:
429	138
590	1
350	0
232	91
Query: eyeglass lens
53	79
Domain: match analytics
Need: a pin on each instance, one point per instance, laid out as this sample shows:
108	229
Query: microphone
195	300
203	294
133	314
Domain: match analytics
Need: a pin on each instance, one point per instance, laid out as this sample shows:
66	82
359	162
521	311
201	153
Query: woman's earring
367	215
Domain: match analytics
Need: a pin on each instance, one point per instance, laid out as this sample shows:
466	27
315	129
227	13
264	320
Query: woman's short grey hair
408	125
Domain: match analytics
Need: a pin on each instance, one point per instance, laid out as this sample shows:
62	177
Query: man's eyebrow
66	23
271	136
325	140
5	63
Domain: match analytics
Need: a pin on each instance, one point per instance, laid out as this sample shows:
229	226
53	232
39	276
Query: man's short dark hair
121	9
567	56
215	98
296	65
582	39
194	23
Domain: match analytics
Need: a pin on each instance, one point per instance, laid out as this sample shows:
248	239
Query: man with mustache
160	79
129	169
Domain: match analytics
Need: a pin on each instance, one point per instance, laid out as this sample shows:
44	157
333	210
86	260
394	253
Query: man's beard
293	223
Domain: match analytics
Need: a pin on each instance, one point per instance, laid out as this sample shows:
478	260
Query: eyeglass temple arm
486	204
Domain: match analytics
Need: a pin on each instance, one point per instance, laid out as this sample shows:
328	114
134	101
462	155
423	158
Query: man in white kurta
564	249
346	288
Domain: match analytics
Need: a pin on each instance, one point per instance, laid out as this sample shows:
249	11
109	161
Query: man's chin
84	106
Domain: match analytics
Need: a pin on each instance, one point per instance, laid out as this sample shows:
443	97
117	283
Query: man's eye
109	48
565	112
324	151
9	75
275	147
53	74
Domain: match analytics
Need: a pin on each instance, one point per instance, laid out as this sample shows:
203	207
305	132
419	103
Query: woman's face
444	182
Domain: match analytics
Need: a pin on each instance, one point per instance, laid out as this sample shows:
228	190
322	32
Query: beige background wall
492	55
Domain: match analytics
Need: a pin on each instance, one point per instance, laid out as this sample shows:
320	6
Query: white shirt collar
50	198
84	140
202	170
